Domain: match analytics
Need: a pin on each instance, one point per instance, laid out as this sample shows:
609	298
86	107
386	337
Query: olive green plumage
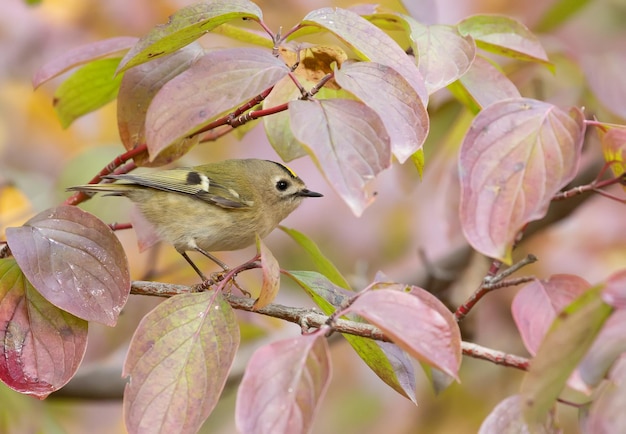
213	207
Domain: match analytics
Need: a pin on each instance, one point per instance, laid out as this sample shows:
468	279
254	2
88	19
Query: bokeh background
412	219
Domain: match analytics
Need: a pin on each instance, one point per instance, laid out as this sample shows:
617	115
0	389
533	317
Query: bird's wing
187	181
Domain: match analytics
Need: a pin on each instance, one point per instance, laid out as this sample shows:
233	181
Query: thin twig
491	282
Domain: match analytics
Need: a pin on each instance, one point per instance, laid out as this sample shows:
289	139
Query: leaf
401	110
138	88
505	36
419	162
506	417
314	63
443	55
276	126
606	349
369	42
614	292
537	304
516	155
271	276
75	261
348	140
606	414
572	333
178	362
386	360
41	346
414	325
217	82
81	55
323	264
300	372
482	85
187	25
249	36
614	149
86	90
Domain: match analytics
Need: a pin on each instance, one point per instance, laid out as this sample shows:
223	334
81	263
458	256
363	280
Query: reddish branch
311	318
117	166
494	281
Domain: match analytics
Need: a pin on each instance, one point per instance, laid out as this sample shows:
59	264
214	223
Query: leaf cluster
353	108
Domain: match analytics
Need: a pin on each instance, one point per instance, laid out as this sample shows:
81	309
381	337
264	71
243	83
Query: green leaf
323	264
245	35
388	361
187	25
505	36
418	161
88	89
572	333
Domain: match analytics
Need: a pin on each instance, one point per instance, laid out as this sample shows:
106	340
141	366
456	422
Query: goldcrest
213	207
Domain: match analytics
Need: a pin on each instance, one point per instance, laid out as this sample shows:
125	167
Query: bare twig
494	281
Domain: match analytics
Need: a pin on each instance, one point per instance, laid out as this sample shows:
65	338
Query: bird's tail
110	189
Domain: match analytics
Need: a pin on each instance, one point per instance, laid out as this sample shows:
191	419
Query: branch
311	318
494	281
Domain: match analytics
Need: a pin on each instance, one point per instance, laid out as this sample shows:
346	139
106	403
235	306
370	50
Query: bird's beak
308	193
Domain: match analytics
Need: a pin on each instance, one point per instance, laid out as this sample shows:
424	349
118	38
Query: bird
213	207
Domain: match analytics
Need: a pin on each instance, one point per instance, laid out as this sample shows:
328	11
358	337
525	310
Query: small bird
213	207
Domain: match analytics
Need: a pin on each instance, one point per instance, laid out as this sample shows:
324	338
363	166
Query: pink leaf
507	417
614	292
606	349
283	386
138	88
417	323
607	414
517	154
538	303
178	363
216	83
402	112
369	43
486	84
271	276
443	54
41	346
348	139
75	261
81	55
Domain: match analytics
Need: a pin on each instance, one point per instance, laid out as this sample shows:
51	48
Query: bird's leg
194	266
217	276
211	257
220	274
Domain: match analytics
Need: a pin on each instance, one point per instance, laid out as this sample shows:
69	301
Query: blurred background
413	222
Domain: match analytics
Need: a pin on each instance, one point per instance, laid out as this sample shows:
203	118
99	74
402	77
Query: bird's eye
282	185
